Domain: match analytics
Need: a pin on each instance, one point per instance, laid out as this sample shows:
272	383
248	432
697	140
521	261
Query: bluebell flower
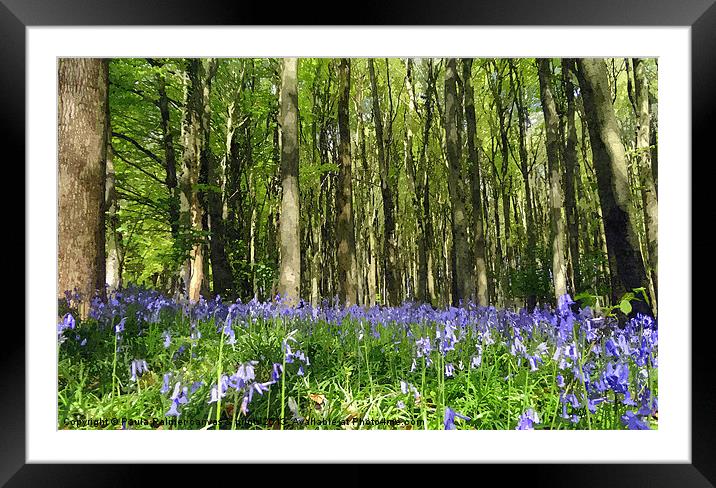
564	303
173	410
120	326
527	420
633	422
449	420
449	369
475	361
617	377
196	385
165	383
246	371
178	352
628	400
138	367
593	402
276	373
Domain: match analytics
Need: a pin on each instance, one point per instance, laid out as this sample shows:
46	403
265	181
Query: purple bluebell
276	372
449	370
633	422
527	420
449	419
165	383
138	367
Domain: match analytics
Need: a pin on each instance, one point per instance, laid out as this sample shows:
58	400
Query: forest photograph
357	243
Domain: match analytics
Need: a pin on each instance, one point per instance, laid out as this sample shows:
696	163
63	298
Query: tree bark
559	263
170	163
530	265
462	268
421	291
481	294
389	251
646	177
345	230
571	169
222	279
191	209
626	263
114	247
82	150
290	237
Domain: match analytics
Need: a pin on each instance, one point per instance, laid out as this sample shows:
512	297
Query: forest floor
154	363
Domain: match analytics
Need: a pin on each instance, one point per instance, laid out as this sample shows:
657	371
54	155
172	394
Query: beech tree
463	266
82	159
556	199
646	176
627	265
290	274
347	290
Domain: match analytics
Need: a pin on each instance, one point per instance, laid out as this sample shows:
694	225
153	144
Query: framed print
339	240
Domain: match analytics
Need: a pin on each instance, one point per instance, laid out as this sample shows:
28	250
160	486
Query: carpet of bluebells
157	363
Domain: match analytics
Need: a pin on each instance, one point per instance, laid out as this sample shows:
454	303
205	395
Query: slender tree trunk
290	267
611	170
559	263
646	178
221	271
462	268
481	294
571	169
82	149
389	251
347	279
653	142
498	281
530	264
170	164
114	246
421	258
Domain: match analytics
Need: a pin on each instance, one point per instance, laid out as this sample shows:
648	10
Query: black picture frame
700	15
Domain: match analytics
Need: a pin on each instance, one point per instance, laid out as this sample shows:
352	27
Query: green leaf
625	306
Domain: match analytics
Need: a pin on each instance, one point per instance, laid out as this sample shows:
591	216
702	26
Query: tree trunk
82	149
571	169
290	266
170	164
389	251
462	268
222	279
530	265
421	258
345	230
481	294
559	264
646	178
191	210
114	247
498	280
611	169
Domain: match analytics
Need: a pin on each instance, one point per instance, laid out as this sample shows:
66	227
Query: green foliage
244	141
